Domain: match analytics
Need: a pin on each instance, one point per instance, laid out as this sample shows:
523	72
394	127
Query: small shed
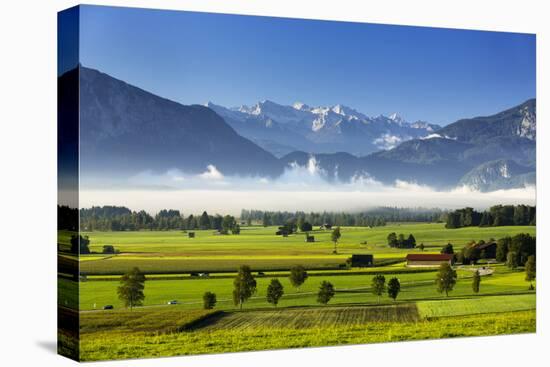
418	260
191	234
362	261
310	238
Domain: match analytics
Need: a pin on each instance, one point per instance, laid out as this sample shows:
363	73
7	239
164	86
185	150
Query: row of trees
132	285
498	215
244	285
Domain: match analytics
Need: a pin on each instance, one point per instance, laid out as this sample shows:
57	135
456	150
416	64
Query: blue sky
438	75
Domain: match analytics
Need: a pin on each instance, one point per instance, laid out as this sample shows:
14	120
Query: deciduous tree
326	292
275	291
298	276
394	287
378	285
445	279
130	291
244	286
209	300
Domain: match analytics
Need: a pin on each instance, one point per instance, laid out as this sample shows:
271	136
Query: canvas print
232	183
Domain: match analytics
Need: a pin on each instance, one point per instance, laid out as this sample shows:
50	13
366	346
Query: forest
498	215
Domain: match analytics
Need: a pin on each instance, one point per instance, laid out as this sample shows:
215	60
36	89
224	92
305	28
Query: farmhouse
310	238
428	259
362	261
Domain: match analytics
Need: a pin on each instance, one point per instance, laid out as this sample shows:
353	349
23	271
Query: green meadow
164	252
114	345
350	289
354	315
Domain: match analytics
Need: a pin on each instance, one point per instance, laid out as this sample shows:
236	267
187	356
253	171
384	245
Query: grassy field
101	345
354	315
351	289
254	240
173	252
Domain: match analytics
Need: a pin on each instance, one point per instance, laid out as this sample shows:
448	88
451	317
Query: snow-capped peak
344	110
301	106
330	124
395	117
339	109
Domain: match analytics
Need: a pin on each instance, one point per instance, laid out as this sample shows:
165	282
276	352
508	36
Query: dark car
108	307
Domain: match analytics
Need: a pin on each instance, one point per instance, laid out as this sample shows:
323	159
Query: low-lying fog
299	188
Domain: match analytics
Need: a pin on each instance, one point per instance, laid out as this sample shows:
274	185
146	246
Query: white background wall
28	181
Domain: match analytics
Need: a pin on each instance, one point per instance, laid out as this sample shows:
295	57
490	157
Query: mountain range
282	129
125	130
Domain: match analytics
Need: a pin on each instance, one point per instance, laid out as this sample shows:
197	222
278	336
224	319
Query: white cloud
388	141
211	173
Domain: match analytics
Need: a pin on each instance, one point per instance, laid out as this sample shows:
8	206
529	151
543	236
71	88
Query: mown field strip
313	317
468	306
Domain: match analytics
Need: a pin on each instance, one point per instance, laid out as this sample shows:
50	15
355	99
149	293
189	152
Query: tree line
119	218
498	215
373	218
